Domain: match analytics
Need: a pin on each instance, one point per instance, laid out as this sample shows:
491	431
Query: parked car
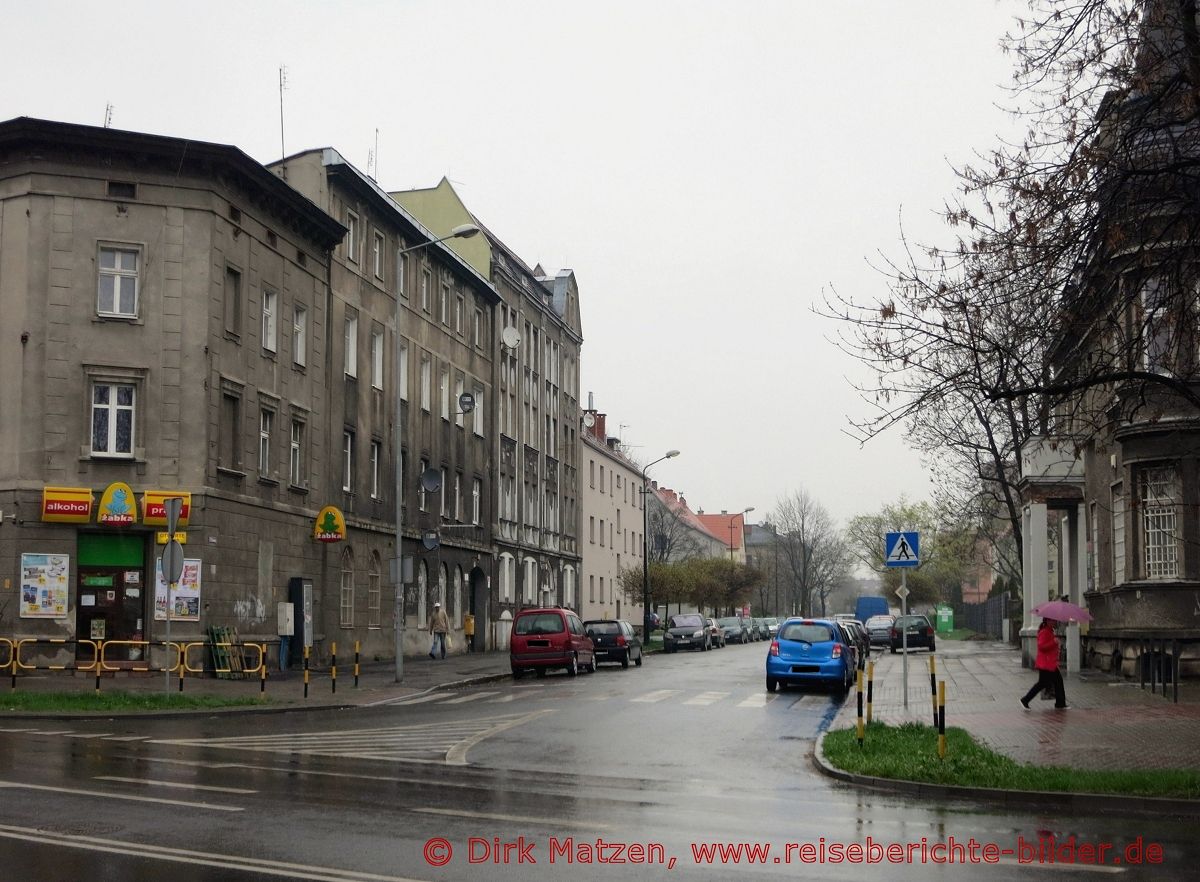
686	631
549	638
737	629
655	621
717	632
880	629
810	651
919	633
851	641
615	641
761	631
772	625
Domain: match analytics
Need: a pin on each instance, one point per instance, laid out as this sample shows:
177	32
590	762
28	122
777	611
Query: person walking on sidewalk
1049	676
439	627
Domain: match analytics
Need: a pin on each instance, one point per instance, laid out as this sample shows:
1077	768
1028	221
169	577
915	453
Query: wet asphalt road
685	752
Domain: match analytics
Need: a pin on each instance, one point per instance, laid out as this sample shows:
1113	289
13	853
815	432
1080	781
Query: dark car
737	629
862	640
686	631
717	632
615	641
916	629
880	629
761	630
810	651
549	638
772	626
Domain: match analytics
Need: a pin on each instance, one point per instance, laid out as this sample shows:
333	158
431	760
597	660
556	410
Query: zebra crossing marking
706	698
656	695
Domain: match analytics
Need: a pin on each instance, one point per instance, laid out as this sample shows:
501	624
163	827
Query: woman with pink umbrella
1046	663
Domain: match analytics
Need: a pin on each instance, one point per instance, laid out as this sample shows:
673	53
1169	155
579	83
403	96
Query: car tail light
620	640
837	651
774	647
895	633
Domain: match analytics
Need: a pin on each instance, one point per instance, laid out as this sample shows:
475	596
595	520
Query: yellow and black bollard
356	651
933	686
306	651
333	666
858	678
96	661
182	668
262	670
870	688
941	723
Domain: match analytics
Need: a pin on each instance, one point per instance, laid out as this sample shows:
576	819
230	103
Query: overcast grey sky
706	167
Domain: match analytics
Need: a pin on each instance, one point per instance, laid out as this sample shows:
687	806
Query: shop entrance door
111	595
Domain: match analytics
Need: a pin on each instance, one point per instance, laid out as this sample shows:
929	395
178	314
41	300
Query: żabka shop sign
67	505
118	507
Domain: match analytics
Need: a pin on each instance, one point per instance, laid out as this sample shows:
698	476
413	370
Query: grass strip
116	701
909	752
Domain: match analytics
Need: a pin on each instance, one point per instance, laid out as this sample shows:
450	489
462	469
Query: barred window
1160	523
347	592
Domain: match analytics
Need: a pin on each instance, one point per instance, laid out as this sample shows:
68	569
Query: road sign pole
172	566
904	629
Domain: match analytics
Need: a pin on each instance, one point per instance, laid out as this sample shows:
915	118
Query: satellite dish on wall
431	480
430	540
589	419
466	402
510	337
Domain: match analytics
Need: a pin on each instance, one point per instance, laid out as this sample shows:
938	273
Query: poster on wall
185	599
45	585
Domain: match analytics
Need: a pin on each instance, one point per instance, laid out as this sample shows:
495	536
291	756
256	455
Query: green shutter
98	550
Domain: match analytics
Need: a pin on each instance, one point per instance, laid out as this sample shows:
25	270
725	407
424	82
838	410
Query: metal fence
983	618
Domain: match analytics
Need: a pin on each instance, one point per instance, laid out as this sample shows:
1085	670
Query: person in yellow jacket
439	627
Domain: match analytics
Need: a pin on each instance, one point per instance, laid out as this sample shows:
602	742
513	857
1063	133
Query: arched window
346	605
529	592
456	599
373	598
569	587
508	569
422	589
443	579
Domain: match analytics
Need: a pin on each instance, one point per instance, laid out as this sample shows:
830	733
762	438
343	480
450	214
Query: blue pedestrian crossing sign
902	549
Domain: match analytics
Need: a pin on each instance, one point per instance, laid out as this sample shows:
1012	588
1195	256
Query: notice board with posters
185	599
45	585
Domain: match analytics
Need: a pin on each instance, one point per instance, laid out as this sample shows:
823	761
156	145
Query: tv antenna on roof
108	109
282	84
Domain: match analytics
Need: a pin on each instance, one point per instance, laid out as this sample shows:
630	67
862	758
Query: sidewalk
1111	724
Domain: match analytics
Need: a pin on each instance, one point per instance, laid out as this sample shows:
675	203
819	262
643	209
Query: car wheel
573	666
518	673
893	650
625	661
772	684
541	673
591	669
638	660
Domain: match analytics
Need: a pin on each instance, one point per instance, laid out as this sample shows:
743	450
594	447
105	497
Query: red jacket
1047	650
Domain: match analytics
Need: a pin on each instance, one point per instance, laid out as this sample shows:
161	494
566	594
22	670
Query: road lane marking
706	698
657	695
761	699
202	858
457	755
127	737
473	696
416	699
180	784
104	794
503	698
516	819
89	735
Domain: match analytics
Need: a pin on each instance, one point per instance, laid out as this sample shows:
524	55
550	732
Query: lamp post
464	231
744	511
646	546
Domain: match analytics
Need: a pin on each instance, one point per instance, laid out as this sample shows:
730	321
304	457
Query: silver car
880	629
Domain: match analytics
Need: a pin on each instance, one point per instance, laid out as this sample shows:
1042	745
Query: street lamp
744	511
646	547
463	231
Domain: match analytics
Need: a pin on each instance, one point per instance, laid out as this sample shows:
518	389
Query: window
229	453
377	359
426	281
402	354
459	311
477	414
426	380
445	512
1156	328
269	319
1160	522
351	357
117	291
299	335
233	301
458	394
1093	549
346	604
422	496
352	236
602	532
121	190
113	413
377	255
444	392
592	530
476	500
373	592
1118	534
266	419
457	501
601	479
592	473
477	329
402	274
445	304
376	453
348	461
592	589
296	455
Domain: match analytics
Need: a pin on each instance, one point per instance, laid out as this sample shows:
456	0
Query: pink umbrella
1062	611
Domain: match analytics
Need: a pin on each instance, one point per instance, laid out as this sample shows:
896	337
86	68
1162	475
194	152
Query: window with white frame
270	319
422	495
507	568
377	359
1156	327
477	329
530	583
346	604
458	499
377	255
374	577
1118	533
1160	522
352	236
426	283
458	394
426	382
444	392
403	356
445	304
459	312
351	346
376	456
117	289
476	500
402	273
266	421
296	455
477	413
299	334
348	461
445	512
114	412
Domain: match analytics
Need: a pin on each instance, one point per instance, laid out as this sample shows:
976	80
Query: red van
549	638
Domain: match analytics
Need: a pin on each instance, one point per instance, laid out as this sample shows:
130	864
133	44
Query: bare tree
812	554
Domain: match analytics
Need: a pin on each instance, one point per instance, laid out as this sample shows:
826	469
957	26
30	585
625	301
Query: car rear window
731	622
687	622
879	621
910	621
809	632
603	627
539	623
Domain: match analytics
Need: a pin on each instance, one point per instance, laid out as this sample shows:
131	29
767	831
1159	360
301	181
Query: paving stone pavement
1111	723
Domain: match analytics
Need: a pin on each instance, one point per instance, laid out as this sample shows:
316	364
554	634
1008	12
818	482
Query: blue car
810	651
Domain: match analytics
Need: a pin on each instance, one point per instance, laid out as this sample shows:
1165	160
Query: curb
1077	803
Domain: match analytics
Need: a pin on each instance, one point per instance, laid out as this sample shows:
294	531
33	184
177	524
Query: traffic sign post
903	550
172	569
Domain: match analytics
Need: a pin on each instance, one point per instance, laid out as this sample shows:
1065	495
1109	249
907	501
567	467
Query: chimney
599	430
